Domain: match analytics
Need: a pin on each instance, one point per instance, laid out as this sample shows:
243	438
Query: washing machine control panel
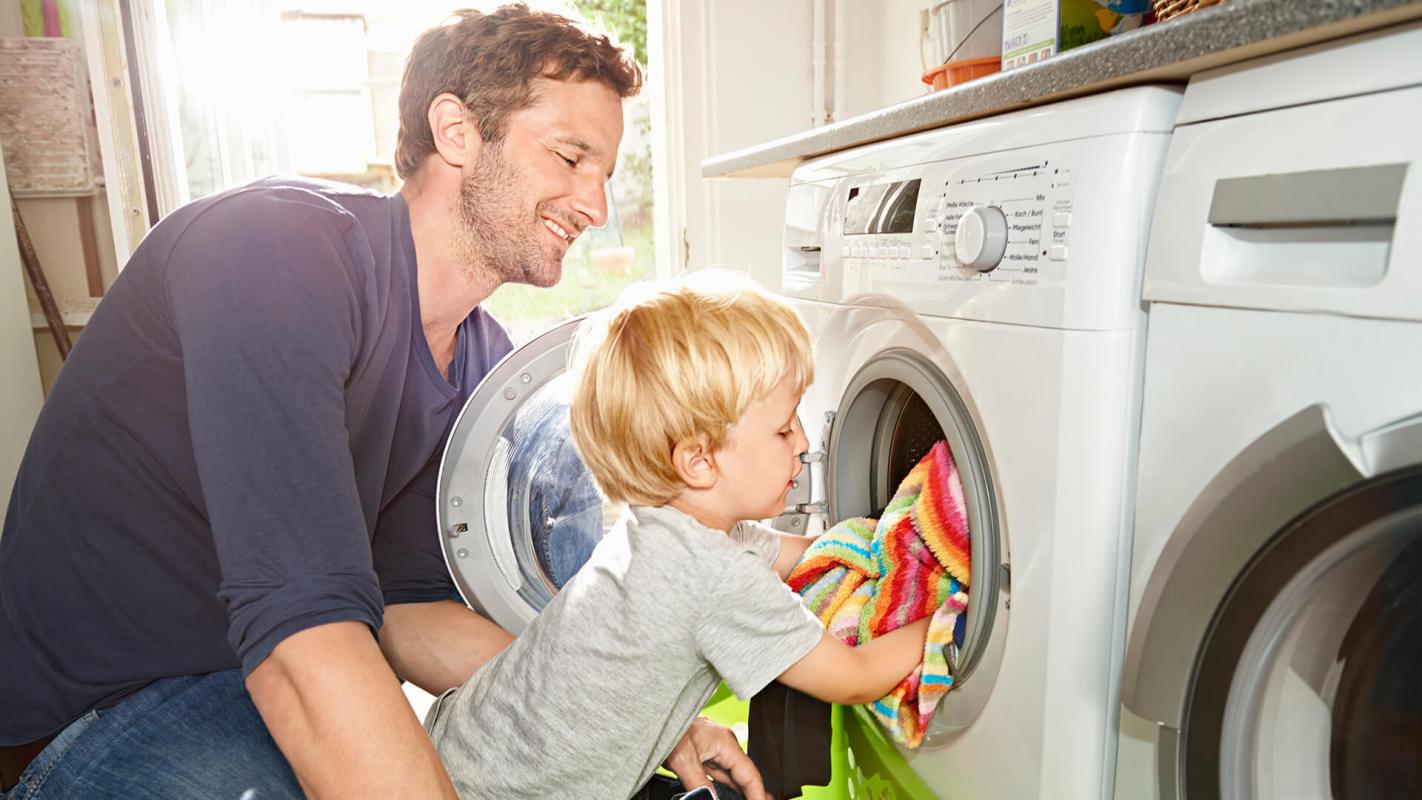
1050	235
1005	217
1003	220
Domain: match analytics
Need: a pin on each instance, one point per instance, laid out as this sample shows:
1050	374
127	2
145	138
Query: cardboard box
1036	29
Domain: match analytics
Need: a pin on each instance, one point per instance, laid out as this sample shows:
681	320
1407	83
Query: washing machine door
895	406
518	512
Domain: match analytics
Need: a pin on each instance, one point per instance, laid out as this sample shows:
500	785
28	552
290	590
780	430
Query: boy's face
762	455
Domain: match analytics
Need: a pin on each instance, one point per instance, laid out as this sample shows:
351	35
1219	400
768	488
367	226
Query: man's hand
710	751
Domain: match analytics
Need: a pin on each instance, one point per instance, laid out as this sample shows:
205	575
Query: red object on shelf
956	72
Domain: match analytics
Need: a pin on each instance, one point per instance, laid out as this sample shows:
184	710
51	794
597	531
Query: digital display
881	208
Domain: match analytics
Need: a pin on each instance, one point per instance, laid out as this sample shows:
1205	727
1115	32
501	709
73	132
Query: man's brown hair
490	61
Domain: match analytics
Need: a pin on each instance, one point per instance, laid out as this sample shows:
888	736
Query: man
218	554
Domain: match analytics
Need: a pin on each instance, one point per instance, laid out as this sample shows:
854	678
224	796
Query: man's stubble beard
494	237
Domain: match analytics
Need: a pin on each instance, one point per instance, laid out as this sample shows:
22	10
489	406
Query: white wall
731	74
882	61
728	74
20	395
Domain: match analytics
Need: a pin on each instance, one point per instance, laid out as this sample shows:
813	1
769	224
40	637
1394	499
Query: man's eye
570	162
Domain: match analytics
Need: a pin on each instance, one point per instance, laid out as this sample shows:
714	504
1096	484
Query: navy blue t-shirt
243	444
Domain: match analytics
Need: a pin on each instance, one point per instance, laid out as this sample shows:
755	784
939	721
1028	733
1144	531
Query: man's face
526	199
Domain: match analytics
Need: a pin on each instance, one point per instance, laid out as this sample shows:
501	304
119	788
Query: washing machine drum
519	514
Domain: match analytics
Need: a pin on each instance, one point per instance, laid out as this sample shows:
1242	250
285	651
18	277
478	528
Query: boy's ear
694	463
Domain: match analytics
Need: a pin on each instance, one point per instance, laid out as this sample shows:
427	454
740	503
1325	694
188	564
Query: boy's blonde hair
671	364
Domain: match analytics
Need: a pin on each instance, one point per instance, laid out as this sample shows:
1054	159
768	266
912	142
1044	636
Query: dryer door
1280	636
1307	685
518	512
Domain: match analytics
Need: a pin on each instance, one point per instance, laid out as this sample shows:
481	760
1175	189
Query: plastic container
967	41
956	72
966	29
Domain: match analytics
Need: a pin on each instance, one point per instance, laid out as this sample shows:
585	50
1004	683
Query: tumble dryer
1276	603
980	284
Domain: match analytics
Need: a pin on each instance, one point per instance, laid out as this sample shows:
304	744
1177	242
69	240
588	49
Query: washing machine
980	284
1275	638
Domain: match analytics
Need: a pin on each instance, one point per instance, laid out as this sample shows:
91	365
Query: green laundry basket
864	763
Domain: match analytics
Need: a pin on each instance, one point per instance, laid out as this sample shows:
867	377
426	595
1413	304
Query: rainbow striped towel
864	578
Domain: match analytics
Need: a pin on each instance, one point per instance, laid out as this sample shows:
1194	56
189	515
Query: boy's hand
711	751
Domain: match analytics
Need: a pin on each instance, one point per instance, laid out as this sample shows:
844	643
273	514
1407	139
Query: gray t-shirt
592	697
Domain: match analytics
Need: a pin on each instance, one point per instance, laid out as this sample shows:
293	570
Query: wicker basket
1165	9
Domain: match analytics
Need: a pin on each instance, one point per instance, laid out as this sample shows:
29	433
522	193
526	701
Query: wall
20	394
731	74
726	74
54	227
883	65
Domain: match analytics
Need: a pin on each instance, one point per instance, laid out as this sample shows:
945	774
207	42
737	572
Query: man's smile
561	233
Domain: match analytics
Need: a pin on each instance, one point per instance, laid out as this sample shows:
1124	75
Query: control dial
981	238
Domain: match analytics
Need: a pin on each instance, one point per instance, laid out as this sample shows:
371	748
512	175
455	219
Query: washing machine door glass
518	511
892	412
1308	685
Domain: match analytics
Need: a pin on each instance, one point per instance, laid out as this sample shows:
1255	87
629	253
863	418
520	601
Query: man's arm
437	646
837	673
337	713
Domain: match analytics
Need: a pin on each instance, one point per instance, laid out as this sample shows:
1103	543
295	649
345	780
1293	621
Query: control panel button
931	223
982	238
930	252
1058	252
1061	219
905	251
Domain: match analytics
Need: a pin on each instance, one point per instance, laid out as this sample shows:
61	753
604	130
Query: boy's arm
792	549
789	548
837	673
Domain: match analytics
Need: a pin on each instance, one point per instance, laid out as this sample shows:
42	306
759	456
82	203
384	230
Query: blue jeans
189	737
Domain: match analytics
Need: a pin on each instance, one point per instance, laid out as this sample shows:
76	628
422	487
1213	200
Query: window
285	86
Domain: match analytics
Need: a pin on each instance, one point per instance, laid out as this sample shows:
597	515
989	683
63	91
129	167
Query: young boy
684	408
